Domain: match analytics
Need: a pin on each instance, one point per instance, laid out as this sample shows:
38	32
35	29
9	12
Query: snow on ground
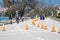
17	31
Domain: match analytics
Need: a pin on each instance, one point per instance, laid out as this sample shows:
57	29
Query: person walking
10	17
17	19
22	19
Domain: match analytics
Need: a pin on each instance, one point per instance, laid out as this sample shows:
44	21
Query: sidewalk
7	22
57	19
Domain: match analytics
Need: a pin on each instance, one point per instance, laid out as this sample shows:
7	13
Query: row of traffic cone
54	29
4	28
43	26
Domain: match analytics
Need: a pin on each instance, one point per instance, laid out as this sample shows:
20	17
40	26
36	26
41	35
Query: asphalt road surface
17	31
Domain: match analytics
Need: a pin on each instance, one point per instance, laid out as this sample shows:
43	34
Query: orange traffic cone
26	27
33	22
59	30
42	26
45	26
38	25
37	19
53	28
3	28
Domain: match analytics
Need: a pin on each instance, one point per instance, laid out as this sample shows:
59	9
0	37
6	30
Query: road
17	31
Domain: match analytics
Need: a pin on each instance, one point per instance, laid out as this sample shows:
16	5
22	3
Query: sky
52	2
1	3
55	2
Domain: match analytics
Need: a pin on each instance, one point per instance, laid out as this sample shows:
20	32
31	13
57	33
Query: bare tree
20	6
40	7
31	3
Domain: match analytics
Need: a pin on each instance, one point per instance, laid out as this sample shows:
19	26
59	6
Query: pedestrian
10	17
17	19
22	19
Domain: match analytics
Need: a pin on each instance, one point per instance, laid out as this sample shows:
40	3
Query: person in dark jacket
10	17
42	17
22	19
